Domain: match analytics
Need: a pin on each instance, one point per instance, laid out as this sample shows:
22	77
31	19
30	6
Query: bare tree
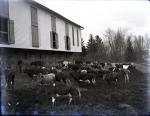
147	41
139	48
116	44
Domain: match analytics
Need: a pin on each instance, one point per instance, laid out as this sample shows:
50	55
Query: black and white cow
126	73
64	90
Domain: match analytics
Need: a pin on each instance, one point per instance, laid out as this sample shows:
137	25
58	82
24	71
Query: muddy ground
101	99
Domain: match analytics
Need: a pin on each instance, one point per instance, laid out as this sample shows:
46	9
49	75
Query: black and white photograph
75	57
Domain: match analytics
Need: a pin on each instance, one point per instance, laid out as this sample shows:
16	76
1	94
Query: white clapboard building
30	31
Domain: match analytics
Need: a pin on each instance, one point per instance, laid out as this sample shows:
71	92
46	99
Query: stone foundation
11	56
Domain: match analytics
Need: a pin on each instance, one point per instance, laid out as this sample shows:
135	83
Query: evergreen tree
129	52
91	48
100	49
84	50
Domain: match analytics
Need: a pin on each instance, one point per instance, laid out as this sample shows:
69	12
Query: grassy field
126	99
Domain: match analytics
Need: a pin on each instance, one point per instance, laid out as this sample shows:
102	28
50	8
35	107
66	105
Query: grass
99	99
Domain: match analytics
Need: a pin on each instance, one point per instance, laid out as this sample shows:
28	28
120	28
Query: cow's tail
79	91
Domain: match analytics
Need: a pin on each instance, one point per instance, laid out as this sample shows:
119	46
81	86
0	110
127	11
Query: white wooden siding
20	12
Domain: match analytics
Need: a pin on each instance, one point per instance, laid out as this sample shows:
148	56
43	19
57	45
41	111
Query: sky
96	16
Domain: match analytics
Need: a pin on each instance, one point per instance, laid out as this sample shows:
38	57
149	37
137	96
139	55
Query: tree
108	36
147	42
91	48
139	48
115	44
129	51
84	50
118	45
101	49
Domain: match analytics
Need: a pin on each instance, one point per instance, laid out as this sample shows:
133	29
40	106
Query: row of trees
115	46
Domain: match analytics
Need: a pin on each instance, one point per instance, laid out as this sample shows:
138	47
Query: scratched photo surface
75	57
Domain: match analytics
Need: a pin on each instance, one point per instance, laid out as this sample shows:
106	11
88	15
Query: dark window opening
3	30
54	40
67	43
77	37
73	36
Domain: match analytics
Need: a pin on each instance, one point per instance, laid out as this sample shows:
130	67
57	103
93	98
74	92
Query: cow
88	78
47	78
61	90
10	78
111	77
126	73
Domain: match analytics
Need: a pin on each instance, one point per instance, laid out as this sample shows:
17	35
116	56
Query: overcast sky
98	15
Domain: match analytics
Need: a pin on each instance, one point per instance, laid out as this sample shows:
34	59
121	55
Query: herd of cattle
66	80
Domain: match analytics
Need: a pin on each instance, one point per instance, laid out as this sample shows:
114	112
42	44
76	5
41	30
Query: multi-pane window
6	31
6	26
54	40
77	37
73	36
67	38
67	43
53	34
3	30
34	24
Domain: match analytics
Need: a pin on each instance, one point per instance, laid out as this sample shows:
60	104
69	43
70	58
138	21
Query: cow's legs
79	92
12	83
104	76
70	98
127	78
53	101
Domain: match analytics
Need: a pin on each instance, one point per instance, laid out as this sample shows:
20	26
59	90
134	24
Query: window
54	40
3	30
6	31
4	10
67	38
73	36
34	24
53	34
77	37
34	18
35	39
67	42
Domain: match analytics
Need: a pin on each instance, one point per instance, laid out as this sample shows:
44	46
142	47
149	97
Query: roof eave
53	12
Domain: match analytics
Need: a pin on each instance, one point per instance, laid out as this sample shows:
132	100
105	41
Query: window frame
73	41
77	37
34	26
67	43
54	40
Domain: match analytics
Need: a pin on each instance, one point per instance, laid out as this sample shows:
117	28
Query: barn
31	32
